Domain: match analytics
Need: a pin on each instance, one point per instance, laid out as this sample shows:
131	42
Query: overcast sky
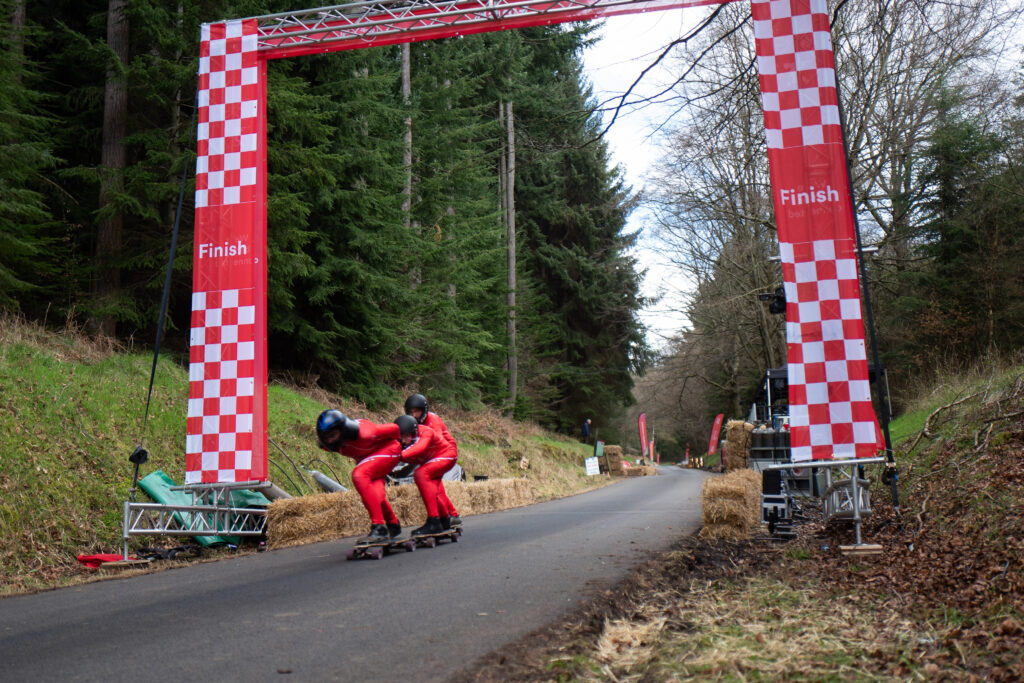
628	45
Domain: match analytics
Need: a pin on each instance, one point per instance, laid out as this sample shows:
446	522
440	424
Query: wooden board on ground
124	564
862	549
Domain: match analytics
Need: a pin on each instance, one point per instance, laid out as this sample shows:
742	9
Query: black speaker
771	482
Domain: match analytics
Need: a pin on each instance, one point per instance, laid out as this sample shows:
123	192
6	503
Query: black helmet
417	401
406	425
333	429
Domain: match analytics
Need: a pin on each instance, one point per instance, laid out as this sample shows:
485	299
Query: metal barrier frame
210	514
846	498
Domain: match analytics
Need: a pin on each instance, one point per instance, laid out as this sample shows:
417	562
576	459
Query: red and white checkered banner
831	415
830	401
226	438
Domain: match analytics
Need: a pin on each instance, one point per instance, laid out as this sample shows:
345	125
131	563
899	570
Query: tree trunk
510	224
175	121
450	238
407	154
17	37
112	163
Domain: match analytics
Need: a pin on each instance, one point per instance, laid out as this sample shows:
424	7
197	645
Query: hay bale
731	501
641	471
614	455
726	511
737	444
329	516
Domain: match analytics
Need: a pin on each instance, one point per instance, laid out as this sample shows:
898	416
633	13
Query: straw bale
614	455
641	471
732	500
329	516
737	444
726	511
735	462
722	488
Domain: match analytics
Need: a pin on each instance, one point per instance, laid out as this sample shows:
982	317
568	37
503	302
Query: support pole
869	319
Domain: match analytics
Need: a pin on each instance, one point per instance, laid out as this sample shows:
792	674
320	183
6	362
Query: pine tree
458	241
586	342
25	264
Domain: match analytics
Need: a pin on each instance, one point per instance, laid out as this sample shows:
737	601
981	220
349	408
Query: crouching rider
434	456
376	450
416	406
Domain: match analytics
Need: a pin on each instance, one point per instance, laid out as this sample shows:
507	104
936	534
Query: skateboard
431	540
377	549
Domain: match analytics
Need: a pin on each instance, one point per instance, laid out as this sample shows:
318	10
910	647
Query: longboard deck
431	540
377	549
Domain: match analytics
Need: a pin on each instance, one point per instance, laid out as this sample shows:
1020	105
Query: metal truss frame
210	514
847	496
375	22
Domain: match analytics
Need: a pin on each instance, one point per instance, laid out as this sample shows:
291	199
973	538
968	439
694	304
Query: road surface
308	614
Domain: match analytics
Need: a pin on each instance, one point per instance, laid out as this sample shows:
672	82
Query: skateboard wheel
455	538
351	554
377	553
410	546
431	542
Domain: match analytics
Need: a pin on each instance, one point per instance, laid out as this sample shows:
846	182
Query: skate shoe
433	526
378	532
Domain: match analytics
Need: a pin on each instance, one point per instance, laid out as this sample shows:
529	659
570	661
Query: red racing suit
376	452
434	421
435	455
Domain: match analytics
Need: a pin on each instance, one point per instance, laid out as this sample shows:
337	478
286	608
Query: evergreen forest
388	205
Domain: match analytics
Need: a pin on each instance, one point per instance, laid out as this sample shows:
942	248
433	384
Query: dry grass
627	643
329	516
70	344
764	629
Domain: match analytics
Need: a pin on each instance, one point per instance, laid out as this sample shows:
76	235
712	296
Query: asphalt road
308	614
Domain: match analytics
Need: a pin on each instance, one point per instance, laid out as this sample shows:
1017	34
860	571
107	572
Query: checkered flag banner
226	433
831	415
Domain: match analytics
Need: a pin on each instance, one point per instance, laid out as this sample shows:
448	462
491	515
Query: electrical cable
330	467
167	279
294	466
284	472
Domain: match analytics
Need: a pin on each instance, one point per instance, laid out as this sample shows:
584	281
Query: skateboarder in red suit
428	449
416	406
376	451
